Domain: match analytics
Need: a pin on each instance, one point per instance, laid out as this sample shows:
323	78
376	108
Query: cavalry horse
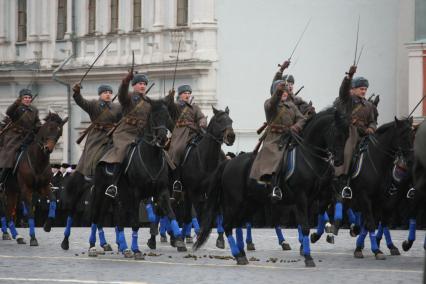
145	175
33	174
232	191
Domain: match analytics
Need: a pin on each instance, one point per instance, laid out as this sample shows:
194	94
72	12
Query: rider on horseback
190	123
136	109
283	117
103	114
305	108
24	122
352	98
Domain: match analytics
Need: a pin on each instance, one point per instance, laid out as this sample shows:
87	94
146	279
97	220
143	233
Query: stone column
3	21
158	14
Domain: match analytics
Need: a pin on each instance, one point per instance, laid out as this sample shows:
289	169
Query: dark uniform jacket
24	121
281	115
105	114
190	120
132	126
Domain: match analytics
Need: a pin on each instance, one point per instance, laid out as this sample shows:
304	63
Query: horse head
160	122
49	133
220	126
403	142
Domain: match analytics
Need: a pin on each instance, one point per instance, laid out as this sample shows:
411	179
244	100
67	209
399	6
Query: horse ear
64	121
215	111
227	110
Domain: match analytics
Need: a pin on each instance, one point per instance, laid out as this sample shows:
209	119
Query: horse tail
212	205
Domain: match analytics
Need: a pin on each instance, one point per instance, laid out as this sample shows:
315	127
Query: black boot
3	177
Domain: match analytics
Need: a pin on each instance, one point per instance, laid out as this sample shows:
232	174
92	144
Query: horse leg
240	238
92	241
239	255
379	234
249	237
153	231
407	244
320	228
360	243
392	248
102	241
123	243
52	209
163	229
303	221
5	236
338	217
354	227
135	247
12	199
220	241
28	209
194	222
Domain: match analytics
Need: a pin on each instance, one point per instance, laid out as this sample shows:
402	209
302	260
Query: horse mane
320	115
54	117
388	125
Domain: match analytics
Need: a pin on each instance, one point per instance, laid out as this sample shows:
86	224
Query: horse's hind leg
28	209
239	255
220	241
302	218
12	199
3	221
392	248
360	243
249	237
52	209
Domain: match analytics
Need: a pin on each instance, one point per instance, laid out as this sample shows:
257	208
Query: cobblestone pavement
48	263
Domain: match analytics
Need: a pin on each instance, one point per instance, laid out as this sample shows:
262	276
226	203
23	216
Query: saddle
191	145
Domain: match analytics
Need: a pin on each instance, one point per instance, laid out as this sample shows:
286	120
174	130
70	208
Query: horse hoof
92	252
139	256
329	228
394	251
315	237
189	240
163	239
48	225
358	253
285	245
406	245
301	251
309	262
220	242
6	237
380	256
330	239
65	245
354	230
127	253
33	242
100	252
241	259
250	246
20	240
173	241
107	247
151	243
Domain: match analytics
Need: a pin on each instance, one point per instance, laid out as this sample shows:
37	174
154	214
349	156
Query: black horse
230	187
390	145
145	175
203	159
33	174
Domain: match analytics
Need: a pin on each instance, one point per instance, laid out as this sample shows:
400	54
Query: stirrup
111	191
277	193
177	186
393	190
347	192
411	193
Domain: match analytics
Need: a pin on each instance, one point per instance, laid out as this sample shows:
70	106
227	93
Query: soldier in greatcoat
363	114
282	117
24	122
136	108
189	124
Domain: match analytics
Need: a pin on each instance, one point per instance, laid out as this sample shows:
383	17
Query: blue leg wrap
280	235
240	238
373	240
186	230
163	226
196	225
117	232
379	233
338	211
52	209
321	224
31	224
122	241
306	245
3	225
234	249
326	218
219	224
175	229
150	212
24	209
101	234
351	216
388	237
361	238
249	238
67	231
92	238
299	230
12	229
135	246
412	230
358	218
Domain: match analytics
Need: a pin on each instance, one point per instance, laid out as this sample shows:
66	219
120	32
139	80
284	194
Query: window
92	16
114	16
182	13
137	16
22	20
62	19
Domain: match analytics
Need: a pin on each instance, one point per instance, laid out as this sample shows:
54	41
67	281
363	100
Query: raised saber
356	42
177	59
91	66
300	38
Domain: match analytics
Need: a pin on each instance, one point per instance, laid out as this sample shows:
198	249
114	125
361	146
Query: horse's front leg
165	204
303	221
52	208
11	201
29	212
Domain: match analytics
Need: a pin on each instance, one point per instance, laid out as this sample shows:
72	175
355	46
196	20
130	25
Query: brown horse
33	174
